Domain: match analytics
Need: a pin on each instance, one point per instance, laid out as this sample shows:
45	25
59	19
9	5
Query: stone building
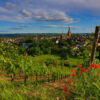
63	37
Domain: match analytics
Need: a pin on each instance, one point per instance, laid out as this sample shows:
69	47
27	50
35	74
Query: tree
34	51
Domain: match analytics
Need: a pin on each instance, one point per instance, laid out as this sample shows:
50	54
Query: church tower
69	33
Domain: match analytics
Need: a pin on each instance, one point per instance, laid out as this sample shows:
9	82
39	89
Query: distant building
63	37
26	45
57	41
69	33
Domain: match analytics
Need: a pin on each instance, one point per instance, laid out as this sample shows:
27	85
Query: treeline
62	49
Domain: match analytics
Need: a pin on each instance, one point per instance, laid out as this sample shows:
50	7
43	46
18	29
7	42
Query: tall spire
69	33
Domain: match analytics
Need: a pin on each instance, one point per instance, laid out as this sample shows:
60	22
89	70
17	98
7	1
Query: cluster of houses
61	37
12	40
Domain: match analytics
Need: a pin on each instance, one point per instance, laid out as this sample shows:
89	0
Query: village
26	41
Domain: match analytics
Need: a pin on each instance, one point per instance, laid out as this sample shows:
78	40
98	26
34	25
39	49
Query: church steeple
69	33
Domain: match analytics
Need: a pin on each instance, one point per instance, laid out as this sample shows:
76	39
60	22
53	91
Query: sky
49	16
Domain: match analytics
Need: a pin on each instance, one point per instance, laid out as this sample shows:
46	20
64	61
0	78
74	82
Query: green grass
10	91
75	61
72	60
45	57
32	91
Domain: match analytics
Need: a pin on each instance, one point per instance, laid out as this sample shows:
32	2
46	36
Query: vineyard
18	67
24	76
21	69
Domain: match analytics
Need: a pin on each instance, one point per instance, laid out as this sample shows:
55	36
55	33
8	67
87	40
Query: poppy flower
80	72
67	95
66	85
65	89
73	74
83	70
91	66
70	91
73	70
79	65
69	81
96	66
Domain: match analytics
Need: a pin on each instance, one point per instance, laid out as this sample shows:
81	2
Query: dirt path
58	84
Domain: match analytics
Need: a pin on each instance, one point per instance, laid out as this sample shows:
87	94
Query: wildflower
73	75
73	70
83	70
67	95
70	91
69	81
65	89
96	66
91	66
66	85
79	65
80	72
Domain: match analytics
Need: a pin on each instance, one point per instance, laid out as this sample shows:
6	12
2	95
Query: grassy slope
34	93
73	61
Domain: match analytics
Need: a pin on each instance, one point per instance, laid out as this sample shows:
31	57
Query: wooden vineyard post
95	44
48	77
54	77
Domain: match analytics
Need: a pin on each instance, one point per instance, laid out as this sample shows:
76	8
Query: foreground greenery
84	83
9	91
39	60
14	60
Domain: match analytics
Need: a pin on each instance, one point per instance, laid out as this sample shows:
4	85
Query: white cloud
47	10
18	18
30	11
39	15
4	10
79	5
51	16
22	25
27	13
10	5
59	26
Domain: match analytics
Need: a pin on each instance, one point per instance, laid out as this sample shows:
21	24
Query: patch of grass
45	57
10	91
75	61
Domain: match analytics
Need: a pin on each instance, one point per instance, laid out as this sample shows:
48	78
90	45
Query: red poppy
67	95
80	72
70	91
91	66
69	81
65	89
73	70
83	70
73	75
96	66
66	85
79	65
